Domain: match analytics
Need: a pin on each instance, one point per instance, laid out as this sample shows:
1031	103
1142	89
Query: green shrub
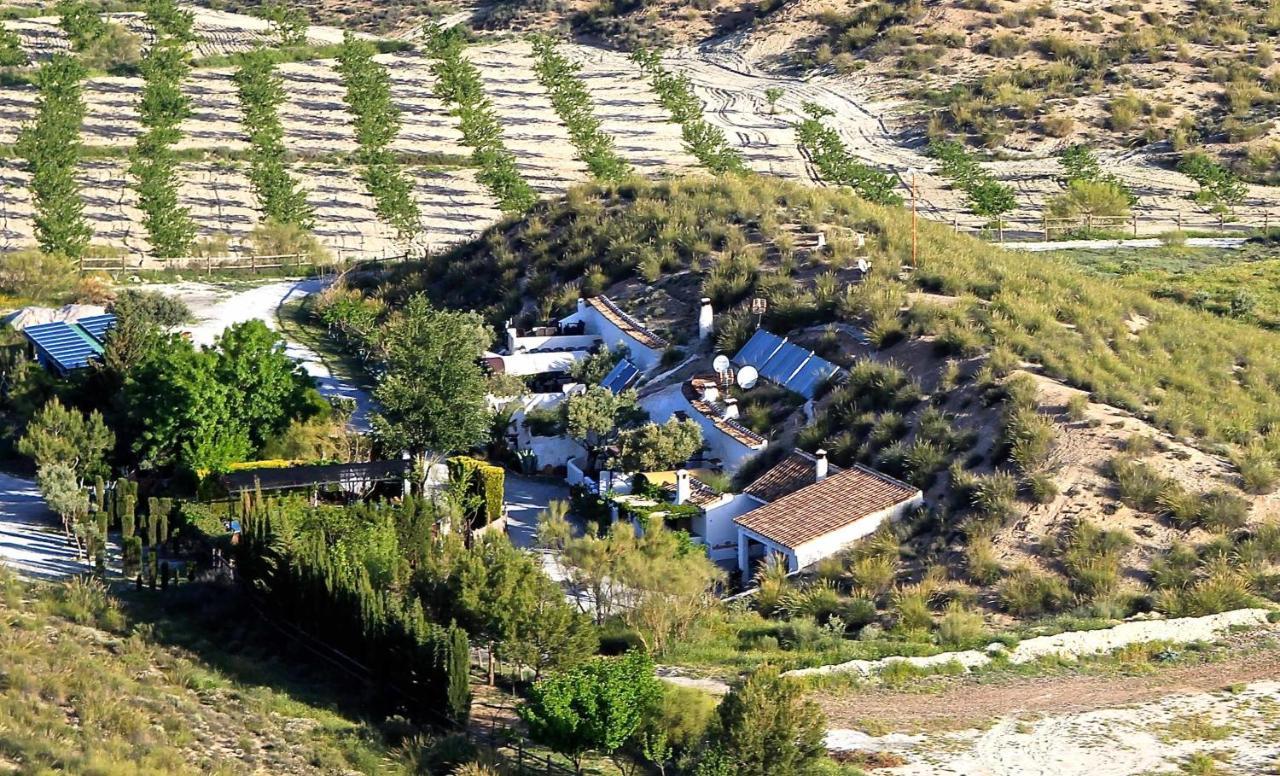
1222	510
981	562
995	497
703	140
1258	469
1028	593
960	627
1138	484
485	481
574	106
836	165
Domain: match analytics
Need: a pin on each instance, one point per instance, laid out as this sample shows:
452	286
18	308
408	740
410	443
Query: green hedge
487	481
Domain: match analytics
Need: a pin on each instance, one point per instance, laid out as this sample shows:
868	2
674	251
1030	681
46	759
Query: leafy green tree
837	165
182	412
574	106
593	417
59	434
81	21
432	394
151	307
266	388
288	21
771	96
1219	186
504	597
596	706
377	121
656	446
261	91
50	146
162	108
63	492
1088	200
767	726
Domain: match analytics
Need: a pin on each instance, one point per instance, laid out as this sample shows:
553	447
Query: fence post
1135	224
1222	222
548	771
1179	220
1266	222
1046	228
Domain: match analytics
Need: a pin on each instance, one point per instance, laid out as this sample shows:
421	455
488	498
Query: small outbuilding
824	516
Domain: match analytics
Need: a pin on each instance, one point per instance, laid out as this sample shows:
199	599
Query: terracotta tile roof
787	476
734	429
700	493
629	326
819	509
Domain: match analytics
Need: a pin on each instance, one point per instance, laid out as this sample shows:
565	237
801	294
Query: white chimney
820	465
731	409
683	488
705	320
710	392
582	304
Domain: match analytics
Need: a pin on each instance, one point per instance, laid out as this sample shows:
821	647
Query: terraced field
455	205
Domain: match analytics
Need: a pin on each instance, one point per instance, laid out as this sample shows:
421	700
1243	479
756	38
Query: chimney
820	465
710	392
582	304
706	318
731	409
683	488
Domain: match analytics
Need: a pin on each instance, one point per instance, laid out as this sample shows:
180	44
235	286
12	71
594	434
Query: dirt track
968	702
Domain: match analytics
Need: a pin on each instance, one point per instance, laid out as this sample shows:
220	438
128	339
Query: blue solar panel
812	376
62	344
758	349
784	363
623	374
97	325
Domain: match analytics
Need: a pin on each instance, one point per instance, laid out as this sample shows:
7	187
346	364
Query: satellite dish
747	377
721	364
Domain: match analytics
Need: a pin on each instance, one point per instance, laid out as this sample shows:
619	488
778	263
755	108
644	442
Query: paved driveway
31	538
526	497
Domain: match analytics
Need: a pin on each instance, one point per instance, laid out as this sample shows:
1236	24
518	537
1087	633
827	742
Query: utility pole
914	238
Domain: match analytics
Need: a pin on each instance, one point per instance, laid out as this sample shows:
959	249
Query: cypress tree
457	673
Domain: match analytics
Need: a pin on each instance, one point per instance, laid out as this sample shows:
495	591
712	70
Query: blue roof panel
623	374
759	349
66	346
812	376
97	325
785	362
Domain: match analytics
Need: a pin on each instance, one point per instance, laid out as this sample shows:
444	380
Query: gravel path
31	538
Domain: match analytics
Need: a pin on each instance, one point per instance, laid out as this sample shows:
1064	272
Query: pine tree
457	673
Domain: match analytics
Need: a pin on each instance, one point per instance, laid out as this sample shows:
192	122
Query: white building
602	318
809	510
726	440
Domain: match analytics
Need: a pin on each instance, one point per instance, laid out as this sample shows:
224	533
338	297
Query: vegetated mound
1188	372
958	374
85	690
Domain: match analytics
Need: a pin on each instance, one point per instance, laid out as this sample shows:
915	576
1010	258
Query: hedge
486	481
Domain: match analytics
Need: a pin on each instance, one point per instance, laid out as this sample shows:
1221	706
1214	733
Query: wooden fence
250	264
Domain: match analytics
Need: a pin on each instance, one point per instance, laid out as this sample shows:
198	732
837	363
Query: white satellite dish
720	364
747	377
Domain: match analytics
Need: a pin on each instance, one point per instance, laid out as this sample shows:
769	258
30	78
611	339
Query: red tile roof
787	476
818	509
734	429
629	326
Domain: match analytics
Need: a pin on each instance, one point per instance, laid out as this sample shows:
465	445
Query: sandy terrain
1237	727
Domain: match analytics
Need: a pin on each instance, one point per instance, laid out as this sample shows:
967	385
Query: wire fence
244	263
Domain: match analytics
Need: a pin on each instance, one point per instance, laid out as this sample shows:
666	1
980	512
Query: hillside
91	687
1180	402
876	113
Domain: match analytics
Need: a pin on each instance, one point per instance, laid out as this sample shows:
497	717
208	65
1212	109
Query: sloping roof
629	326
700	493
787	476
736	431
65	345
317	474
817	510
